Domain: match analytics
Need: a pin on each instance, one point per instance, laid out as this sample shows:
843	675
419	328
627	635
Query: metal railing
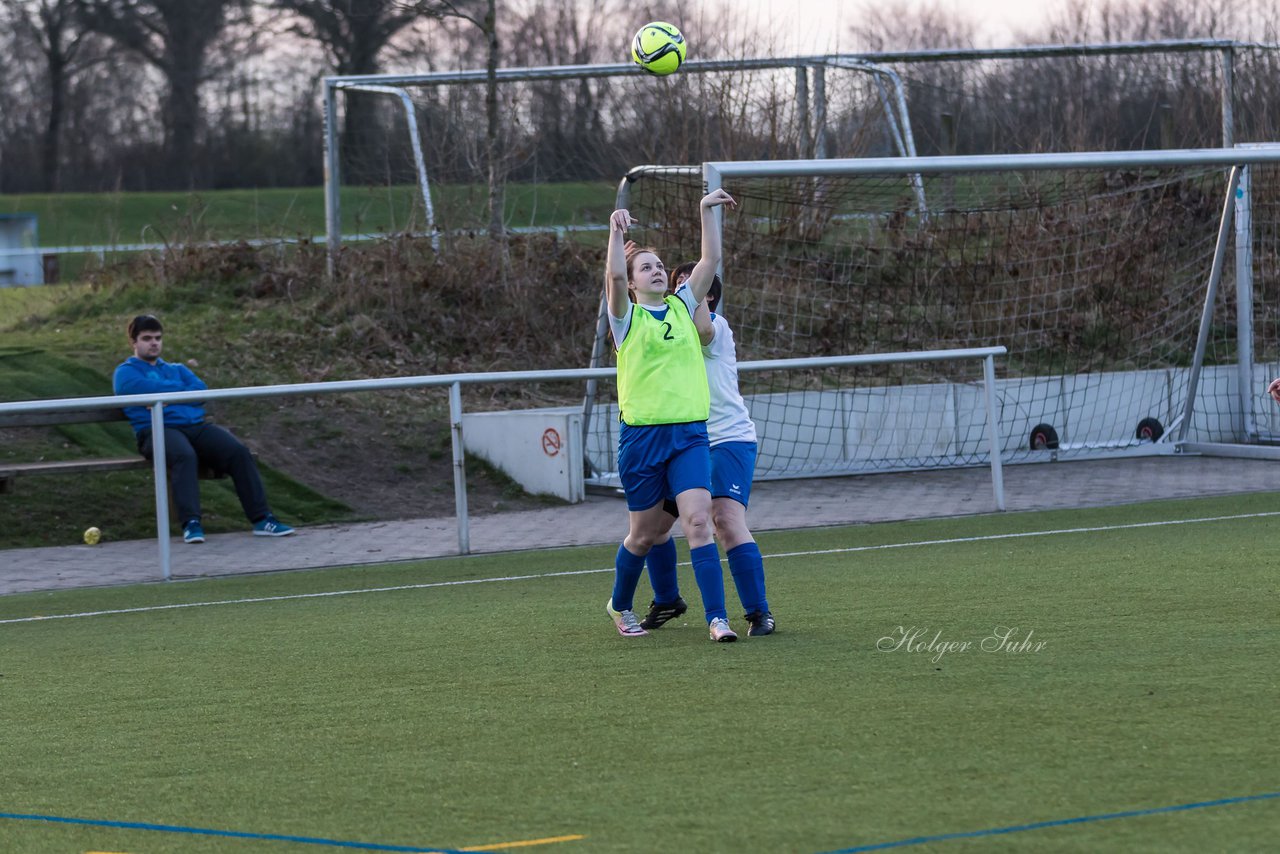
454	382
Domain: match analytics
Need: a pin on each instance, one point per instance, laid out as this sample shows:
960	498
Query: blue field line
237	834
1040	825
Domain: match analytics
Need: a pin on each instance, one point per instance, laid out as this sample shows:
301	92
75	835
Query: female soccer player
663	403
733	458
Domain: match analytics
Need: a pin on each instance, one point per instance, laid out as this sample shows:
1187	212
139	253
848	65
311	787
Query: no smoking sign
551	441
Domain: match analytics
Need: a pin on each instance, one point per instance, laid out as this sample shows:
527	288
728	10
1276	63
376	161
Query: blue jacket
134	376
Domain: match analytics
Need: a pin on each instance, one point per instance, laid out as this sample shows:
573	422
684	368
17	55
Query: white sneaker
628	625
720	631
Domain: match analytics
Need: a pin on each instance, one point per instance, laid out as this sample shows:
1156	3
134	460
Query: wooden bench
10	472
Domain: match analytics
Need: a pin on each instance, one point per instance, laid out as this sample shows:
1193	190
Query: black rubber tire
1149	430
1043	438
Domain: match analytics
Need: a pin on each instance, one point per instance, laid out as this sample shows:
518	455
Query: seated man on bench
189	441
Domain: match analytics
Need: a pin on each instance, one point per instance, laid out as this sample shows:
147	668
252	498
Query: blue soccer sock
627	569
710	578
661	561
747	568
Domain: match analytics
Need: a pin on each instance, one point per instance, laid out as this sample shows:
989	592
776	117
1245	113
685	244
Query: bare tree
175	36
354	33
567	114
14	101
913	26
51	25
483	14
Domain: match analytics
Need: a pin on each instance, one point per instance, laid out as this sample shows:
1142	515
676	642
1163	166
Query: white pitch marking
1032	534
427	585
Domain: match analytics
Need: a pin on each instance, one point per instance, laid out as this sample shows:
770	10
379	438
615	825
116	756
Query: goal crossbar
716	171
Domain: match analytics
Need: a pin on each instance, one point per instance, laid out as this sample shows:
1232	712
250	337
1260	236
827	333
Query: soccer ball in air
658	48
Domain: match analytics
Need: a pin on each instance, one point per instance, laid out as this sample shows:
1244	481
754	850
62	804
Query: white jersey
730	420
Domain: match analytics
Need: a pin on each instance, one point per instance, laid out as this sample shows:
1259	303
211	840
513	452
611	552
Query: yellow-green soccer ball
92	536
658	48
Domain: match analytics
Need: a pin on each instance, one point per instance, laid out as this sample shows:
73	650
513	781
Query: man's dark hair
144	323
713	292
683	270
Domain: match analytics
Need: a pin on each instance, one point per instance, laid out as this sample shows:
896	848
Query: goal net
1093	270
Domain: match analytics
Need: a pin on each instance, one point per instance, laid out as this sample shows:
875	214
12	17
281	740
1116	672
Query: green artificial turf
457	715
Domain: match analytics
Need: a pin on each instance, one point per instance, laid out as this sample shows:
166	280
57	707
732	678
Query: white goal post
1105	274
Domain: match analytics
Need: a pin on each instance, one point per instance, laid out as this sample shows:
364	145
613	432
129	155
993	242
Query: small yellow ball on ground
92	536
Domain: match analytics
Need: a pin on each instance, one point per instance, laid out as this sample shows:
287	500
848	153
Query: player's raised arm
615	275
702	321
704	271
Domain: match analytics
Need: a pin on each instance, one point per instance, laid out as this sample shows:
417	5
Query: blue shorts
658	460
733	465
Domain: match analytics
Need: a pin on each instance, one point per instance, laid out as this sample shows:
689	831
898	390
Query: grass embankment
55	509
252	317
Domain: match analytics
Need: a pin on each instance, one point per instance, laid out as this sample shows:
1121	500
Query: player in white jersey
733	457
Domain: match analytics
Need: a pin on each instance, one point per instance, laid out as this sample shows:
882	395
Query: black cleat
758	623
660	614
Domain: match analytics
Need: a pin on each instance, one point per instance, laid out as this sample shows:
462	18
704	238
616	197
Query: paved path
602	520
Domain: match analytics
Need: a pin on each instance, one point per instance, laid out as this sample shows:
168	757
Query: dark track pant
189	445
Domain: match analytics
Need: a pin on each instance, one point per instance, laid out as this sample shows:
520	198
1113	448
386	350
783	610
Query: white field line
504	578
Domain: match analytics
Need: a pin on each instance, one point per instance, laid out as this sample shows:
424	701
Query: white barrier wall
541	449
919	426
24	266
